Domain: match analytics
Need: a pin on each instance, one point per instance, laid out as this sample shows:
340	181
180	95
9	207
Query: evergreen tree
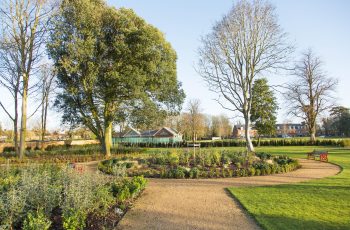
264	108
109	59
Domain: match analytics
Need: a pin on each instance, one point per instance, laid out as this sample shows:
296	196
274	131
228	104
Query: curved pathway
204	203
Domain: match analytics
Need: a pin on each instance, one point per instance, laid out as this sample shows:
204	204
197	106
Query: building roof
132	132
238	126
149	133
170	130
294	124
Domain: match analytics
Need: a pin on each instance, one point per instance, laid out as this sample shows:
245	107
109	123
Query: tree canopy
108	59
310	94
264	108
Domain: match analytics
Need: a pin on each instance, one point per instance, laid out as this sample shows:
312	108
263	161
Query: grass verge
317	204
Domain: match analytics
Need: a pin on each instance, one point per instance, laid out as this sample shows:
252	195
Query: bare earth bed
204	203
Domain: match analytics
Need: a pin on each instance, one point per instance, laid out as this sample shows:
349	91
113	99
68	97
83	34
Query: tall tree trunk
15	137
15	125
313	134
43	120
249	143
23	131
107	140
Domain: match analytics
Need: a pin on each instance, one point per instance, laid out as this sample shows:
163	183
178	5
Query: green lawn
318	204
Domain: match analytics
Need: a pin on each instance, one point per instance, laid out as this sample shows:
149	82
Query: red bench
77	167
321	155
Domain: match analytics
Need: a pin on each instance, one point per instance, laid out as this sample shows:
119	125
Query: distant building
282	130
291	129
164	135
239	131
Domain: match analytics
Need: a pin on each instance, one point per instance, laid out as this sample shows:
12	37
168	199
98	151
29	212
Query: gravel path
204	203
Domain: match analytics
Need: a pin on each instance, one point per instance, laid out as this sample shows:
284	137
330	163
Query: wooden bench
321	154
194	145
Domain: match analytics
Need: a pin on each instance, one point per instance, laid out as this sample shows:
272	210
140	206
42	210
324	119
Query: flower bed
204	164
50	197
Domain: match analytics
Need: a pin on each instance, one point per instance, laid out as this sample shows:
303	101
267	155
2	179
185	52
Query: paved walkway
204	203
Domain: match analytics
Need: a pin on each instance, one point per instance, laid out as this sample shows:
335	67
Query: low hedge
210	164
242	143
51	197
275	142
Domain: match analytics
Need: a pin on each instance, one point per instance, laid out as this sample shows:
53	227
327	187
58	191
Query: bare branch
244	45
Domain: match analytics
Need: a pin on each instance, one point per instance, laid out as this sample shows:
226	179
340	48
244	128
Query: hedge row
242	143
274	142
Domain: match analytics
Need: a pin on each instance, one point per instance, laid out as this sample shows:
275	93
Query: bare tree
244	45
10	79
24	27
47	89
310	93
195	121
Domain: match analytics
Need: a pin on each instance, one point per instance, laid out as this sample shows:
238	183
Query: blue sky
318	24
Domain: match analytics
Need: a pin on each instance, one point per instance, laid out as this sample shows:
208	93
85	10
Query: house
291	129
163	135
282	130
239	131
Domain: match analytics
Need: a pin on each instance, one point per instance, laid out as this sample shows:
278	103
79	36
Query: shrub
238	165
74	220
49	188
36	220
230	173
178	173
215	158
251	171
243	172
223	173
194	173
211	173
217	173
263	156
261	165
173	158
103	200
118	170
346	143
184	158
123	194
8	149
224	159
257	172
207	160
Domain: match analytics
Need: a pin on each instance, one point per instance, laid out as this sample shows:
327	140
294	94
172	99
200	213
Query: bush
36	220
346	143
74	220
211	173
261	165
263	156
8	149
123	194
273	142
194	173
215	158
251	171
173	158
48	188
224	159
178	173
257	172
